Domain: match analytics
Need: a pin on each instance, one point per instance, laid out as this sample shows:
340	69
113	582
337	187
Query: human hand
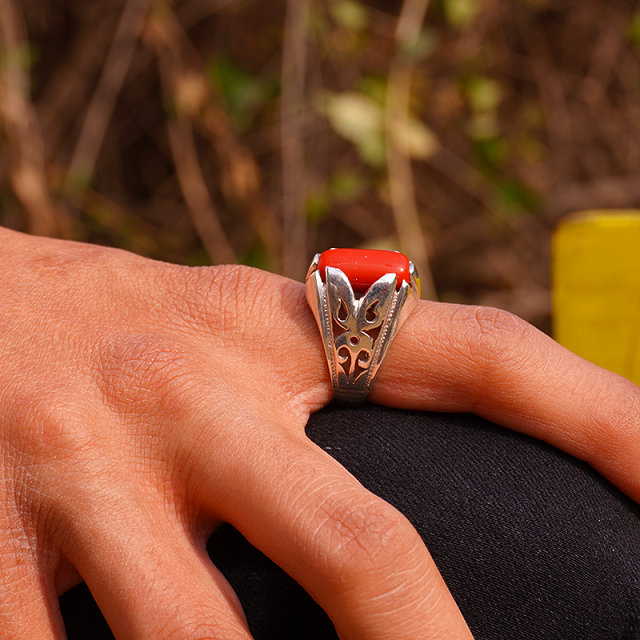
142	404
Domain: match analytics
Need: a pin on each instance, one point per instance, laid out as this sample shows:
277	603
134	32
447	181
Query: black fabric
532	543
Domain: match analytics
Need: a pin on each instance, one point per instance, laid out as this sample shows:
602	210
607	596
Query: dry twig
196	194
98	115
194	11
163	35
197	102
405	211
294	64
28	175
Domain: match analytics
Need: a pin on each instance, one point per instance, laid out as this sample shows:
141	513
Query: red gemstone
364	266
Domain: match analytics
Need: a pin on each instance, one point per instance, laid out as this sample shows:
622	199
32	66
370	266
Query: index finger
489	362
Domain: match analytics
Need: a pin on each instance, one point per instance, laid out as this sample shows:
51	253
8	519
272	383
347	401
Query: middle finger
355	554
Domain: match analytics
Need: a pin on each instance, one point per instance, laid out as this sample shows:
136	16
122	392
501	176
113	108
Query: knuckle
213	296
365	537
177	627
490	336
51	424
143	373
617	425
230	301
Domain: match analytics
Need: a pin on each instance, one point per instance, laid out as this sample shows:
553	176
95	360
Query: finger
357	556
152	582
489	362
28	602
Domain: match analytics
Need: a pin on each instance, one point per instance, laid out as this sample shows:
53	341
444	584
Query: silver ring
360	298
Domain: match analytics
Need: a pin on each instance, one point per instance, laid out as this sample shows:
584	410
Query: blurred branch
194	11
411	236
241	182
294	64
475	184
553	99
196	101
196	193
28	175
134	232
186	94
63	98
100	110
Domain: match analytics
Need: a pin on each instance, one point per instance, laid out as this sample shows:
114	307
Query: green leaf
634	30
512	193
347	186
416	140
350	14
460	13
491	153
354	116
374	87
359	119
243	93
256	256
483	94
317	206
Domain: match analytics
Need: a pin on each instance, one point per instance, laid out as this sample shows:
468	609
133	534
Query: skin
142	404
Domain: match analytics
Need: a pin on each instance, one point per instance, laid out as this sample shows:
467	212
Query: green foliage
317	205
343	187
460	13
634	30
483	94
359	119
373	86
350	14
256	256
348	186
24	56
424	46
490	154
511	192
244	94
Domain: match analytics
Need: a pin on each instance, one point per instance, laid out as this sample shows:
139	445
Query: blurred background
210	131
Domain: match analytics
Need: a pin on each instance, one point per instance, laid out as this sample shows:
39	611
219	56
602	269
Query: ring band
359	298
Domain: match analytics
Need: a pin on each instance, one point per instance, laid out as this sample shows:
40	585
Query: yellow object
596	289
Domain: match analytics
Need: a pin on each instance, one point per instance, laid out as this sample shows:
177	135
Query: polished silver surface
357	330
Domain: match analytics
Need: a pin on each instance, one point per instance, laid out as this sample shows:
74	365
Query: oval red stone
364	266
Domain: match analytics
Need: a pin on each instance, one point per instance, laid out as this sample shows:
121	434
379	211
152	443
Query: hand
138	398
142	404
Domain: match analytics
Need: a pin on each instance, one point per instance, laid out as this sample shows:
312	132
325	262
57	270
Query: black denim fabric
532	543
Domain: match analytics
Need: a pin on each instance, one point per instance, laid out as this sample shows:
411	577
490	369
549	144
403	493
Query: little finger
28	600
